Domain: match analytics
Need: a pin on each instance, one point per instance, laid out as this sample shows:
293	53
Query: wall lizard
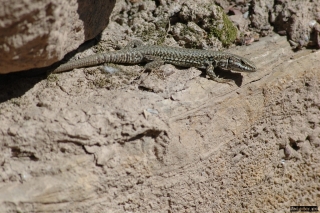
154	56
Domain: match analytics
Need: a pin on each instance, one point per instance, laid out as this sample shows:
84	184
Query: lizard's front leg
210	72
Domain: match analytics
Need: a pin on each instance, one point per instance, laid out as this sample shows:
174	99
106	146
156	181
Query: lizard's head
241	64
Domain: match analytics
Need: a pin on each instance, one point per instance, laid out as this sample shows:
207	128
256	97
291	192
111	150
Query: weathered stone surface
36	34
67	144
171	141
299	20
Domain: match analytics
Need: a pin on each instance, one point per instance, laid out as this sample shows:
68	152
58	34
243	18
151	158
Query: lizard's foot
155	62
216	78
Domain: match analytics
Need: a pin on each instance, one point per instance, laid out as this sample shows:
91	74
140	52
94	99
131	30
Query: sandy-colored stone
133	141
203	142
36	34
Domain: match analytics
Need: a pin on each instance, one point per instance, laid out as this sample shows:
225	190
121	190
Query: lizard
154	56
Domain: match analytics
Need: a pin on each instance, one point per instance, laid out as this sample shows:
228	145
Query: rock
134	141
36	34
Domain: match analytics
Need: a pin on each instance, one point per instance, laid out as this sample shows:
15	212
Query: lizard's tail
121	57
83	62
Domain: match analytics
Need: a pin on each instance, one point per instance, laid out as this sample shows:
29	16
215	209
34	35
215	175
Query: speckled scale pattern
173	55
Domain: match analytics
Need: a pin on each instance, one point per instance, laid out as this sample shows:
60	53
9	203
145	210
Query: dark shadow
237	77
228	75
14	87
16	84
95	19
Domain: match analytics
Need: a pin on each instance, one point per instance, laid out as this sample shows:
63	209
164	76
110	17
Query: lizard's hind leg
154	62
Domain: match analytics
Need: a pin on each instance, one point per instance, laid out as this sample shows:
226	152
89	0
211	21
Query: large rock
171	141
74	143
35	34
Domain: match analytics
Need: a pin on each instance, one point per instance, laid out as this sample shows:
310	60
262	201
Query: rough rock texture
166	143
123	140
299	20
189	23
38	33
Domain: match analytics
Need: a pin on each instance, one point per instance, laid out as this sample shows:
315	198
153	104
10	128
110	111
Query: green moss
52	78
158	32
227	34
185	30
